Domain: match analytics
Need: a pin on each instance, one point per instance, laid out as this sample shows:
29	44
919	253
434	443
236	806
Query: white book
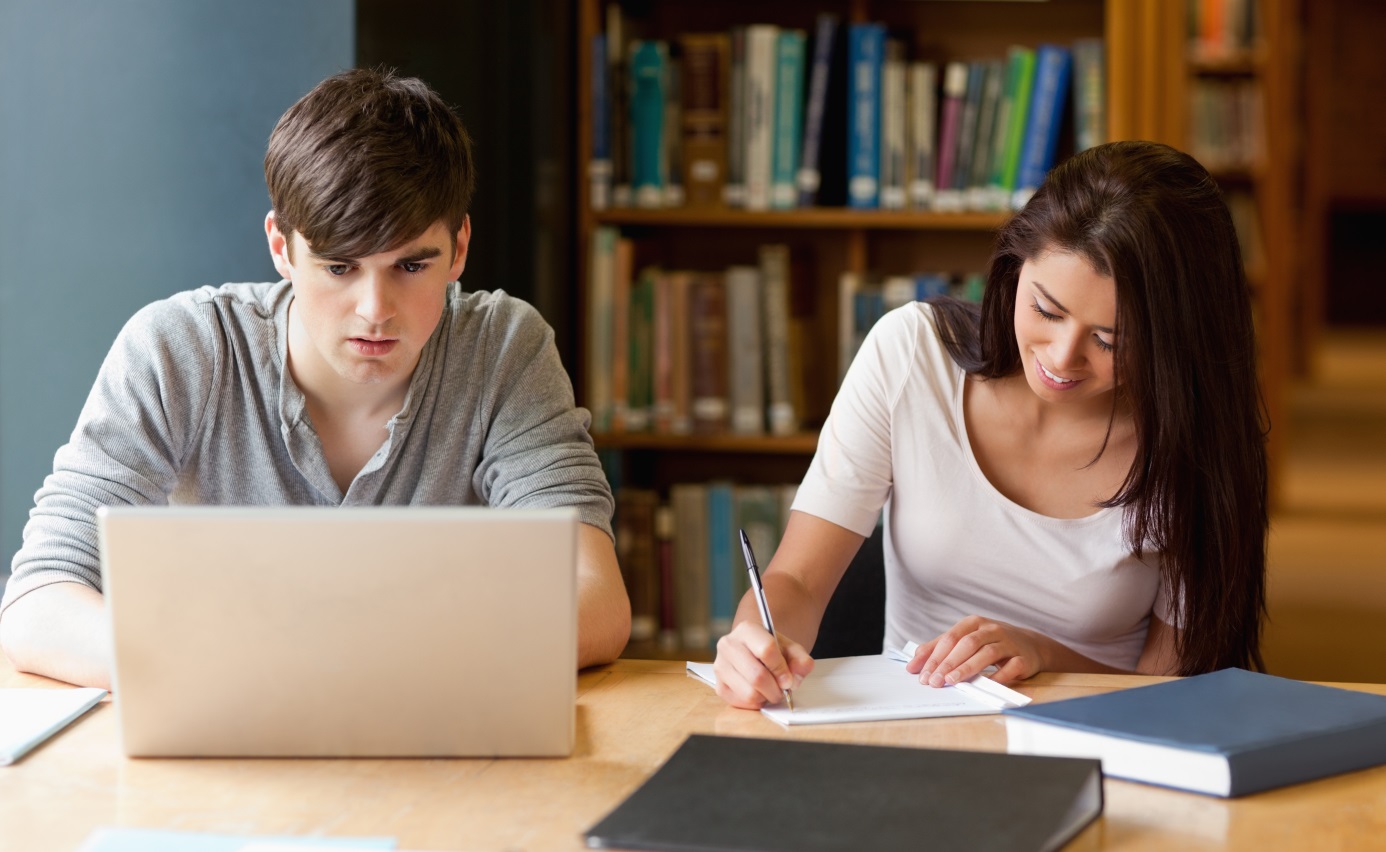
600	294
922	90
779	396
745	367
761	41
893	127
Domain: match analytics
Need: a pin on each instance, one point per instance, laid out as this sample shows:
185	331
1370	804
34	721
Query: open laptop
342	632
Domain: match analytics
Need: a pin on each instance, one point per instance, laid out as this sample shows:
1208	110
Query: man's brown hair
367	161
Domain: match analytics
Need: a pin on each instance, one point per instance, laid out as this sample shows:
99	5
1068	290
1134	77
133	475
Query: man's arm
603	605
60	631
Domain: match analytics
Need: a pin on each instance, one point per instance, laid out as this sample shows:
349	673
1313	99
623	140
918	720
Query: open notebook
876	687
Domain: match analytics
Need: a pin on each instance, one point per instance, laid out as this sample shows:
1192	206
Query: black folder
734	793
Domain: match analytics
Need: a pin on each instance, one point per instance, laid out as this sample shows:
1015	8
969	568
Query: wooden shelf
1245	63
803	443
838	218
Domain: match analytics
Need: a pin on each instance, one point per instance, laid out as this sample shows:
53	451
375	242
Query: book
744	793
600	328
635	549
30	716
789	118
709	392
1020	76
640	351
1089	94
1053	65
993	86
759	108
810	176
946	198
781	412
693	596
874	688
599	166
706	67
671	153
922	98
618	77
668	578
623	270
865	58
745	347
114	839
893	127
648	92
734	191
722	566
1226	733
967	134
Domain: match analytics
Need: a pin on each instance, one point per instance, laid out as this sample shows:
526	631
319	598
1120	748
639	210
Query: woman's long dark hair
1155	221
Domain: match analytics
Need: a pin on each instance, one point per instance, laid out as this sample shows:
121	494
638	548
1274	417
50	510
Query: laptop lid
342	632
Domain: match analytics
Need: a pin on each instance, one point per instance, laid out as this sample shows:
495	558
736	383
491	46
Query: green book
789	118
1020	80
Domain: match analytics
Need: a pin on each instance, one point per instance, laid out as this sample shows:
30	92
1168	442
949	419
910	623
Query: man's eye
337	269
413	266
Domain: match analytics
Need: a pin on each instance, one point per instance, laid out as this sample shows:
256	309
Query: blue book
789	118
721	544
1053	67
810	177
648	78
865	59
1226	733
599	167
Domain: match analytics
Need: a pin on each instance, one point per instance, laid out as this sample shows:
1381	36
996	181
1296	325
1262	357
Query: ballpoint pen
765	619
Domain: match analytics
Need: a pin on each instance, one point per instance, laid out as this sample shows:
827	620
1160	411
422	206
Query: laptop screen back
344	632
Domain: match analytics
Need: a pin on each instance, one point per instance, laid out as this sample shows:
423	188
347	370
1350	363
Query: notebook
342	632
743	794
30	716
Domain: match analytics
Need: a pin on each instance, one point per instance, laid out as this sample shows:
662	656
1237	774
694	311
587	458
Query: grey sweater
195	405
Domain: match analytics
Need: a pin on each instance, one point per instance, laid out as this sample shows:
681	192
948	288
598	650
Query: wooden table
630	716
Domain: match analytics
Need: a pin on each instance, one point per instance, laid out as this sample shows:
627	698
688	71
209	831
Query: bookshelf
1148	74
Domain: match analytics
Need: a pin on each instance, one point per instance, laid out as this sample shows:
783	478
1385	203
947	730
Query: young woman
1073	476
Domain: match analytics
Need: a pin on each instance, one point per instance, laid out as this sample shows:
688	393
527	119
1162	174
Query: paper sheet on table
28	716
875	688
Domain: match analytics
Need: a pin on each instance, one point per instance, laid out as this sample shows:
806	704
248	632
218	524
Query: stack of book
769	118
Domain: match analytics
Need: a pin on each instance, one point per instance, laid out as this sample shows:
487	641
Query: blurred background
132	136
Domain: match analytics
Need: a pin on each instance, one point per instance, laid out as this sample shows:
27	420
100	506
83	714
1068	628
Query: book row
736	351
681	559
1227	124
766	117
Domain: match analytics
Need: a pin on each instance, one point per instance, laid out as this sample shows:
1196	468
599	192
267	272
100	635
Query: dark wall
506	67
132	138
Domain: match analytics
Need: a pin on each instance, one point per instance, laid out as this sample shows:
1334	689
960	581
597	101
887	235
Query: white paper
30	716
874	688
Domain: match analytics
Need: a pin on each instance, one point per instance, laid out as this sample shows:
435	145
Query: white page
30	716
875	688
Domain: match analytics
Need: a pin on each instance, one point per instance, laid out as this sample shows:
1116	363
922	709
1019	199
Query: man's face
365	320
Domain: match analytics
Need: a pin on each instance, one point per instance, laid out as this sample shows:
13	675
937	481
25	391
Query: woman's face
1065	328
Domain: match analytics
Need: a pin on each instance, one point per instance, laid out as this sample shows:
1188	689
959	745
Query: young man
365	377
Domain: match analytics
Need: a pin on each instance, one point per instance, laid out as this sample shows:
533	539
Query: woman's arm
974	643
811	559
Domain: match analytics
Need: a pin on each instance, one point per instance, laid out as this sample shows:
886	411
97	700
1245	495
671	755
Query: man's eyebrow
423	253
1055	303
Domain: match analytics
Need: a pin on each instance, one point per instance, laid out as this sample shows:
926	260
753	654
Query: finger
1017	668
742	679
921	656
797	658
759	663
943	646
972	653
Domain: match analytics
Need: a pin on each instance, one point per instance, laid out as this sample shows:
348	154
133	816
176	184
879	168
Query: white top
954	545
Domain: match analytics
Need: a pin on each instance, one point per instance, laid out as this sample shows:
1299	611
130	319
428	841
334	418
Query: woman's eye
1042	312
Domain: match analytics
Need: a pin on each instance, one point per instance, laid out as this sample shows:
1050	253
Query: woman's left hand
974	643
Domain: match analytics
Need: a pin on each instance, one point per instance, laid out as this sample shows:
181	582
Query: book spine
599	167
668	578
707	312
1089	94
892	186
720	539
680	356
1053	64
954	90
671	159
623	270
641	352
618	77
734	192
810	177
760	113
600	314
967	133
635	545
780	409
1020	121
993	85
745	370
865	56
923	112
647	77
689	502
706	60
789	118
662	359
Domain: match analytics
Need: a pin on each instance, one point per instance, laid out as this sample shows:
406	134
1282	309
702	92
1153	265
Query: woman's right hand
753	670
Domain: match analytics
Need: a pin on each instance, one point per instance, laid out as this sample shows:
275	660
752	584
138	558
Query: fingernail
952	678
936	680
924	676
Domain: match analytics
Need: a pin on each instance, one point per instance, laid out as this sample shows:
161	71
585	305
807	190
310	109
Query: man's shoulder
259	298
494	312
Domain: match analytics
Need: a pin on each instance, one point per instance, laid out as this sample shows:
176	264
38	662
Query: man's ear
459	257
278	247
